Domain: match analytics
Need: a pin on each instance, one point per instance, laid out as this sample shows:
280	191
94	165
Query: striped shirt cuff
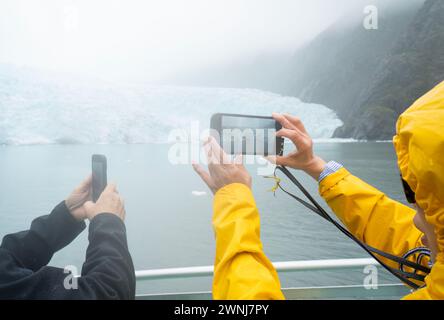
330	167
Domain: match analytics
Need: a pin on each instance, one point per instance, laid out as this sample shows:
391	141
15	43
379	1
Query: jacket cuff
330	168
64	221
106	220
331	180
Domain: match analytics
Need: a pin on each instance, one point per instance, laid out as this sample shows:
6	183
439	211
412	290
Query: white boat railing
385	291
287	266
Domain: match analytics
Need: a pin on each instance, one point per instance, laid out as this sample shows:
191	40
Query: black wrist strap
315	207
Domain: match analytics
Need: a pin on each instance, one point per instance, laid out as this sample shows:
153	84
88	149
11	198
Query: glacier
38	107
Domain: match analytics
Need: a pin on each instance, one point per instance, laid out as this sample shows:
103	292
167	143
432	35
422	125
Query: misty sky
135	40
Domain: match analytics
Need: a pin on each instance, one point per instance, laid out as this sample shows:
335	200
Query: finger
278	160
85	185
203	174
271	159
283	121
295	121
211	150
282	161
207	145
88	187
294	135
122	203
207	149
217	154
206	140
110	187
239	159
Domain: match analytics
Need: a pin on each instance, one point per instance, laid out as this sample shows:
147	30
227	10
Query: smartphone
247	134
99	175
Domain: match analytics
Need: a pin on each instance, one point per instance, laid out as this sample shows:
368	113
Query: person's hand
77	199
222	170
303	157
109	202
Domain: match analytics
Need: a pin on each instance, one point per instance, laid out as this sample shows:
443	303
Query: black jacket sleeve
107	273
34	248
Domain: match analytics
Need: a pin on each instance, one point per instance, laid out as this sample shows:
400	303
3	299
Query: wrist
75	211
315	167
91	215
76	217
95	214
64	216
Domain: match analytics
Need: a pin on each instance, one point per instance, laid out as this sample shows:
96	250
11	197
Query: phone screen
99	175
249	135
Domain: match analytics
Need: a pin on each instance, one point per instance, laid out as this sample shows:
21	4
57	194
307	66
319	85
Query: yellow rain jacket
384	223
242	271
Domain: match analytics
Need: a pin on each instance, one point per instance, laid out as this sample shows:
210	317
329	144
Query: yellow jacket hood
419	144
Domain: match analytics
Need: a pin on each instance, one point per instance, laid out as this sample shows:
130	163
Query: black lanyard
315	207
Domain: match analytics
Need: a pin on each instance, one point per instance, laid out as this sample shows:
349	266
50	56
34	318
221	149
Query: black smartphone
247	134
99	175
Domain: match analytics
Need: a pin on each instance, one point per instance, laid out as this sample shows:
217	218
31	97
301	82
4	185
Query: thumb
239	159
88	205
279	160
271	159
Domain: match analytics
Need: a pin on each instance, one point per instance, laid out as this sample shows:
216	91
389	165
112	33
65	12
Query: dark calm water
167	225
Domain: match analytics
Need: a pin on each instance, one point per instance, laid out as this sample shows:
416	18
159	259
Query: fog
149	41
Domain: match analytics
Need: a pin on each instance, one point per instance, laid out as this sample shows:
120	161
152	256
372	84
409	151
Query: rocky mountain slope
370	76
